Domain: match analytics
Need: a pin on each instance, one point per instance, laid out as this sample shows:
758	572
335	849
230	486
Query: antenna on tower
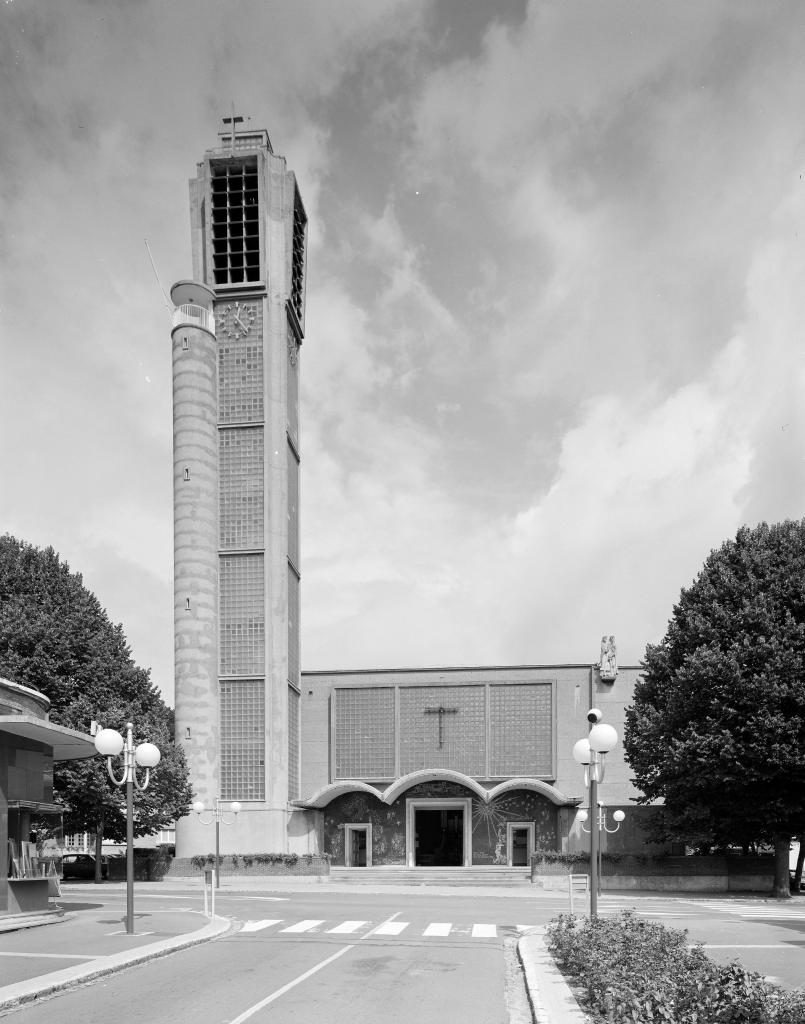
156	275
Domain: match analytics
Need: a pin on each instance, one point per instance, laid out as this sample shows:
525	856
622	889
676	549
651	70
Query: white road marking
439	928
286	988
346	927
484	931
302	926
256	926
391	928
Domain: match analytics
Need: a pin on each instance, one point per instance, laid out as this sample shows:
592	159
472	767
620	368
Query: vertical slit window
298	258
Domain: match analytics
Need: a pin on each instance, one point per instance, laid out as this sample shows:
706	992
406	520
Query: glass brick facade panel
293	744
454	737
243	743
241	580
521	730
241	511
364	733
240	374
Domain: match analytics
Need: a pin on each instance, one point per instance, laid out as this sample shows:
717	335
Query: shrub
642	972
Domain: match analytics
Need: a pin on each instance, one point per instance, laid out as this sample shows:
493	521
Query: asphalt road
329	955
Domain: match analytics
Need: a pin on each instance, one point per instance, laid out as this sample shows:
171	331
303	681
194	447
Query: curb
552	1001
35	988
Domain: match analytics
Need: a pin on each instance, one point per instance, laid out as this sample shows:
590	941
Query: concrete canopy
67	744
322	797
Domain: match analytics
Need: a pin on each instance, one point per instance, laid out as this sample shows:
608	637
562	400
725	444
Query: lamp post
617	817
591	752
110	743
217	815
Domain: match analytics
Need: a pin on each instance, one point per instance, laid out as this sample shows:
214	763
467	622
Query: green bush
642	972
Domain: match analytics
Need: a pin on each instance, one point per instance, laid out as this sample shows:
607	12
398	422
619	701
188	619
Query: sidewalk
90	941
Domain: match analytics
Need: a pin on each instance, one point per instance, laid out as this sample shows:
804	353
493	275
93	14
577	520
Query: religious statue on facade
609	659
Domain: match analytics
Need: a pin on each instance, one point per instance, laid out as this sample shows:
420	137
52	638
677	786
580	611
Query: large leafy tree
56	637
717	727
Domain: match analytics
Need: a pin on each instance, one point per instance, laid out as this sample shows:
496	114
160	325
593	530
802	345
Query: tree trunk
99	851
800	860
782	887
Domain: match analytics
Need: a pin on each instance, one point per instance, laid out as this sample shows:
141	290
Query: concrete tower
238	328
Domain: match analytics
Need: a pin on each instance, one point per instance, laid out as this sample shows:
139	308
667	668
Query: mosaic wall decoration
488	822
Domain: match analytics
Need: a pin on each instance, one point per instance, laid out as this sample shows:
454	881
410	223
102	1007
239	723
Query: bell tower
236	339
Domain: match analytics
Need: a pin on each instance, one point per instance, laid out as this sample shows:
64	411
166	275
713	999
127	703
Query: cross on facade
441	712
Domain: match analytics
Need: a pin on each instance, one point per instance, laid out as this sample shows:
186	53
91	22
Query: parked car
82	865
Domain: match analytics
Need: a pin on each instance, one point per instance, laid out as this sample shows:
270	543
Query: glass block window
293	743
293	506
453	738
241	614
294	611
241	706
298	257
364	732
293	387
234	212
521	730
240	378
241	511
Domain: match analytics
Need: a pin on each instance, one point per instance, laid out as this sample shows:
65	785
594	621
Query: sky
555	302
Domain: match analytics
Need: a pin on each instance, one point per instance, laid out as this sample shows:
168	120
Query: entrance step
395	875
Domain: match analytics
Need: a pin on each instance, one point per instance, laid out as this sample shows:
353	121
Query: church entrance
438	832
439	837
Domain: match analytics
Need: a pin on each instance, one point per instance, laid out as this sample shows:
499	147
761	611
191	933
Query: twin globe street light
110	743
217	815
591	752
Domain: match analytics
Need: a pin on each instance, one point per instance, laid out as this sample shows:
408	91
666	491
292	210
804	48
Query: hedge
643	972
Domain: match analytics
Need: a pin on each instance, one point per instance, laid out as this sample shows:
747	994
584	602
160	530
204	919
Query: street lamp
217	816
617	817
591	752
110	743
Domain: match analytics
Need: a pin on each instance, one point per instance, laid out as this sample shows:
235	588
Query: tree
56	637
717	727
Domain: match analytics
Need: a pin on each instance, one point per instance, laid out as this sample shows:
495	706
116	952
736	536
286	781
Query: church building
409	767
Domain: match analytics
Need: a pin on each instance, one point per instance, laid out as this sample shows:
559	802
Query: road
424	956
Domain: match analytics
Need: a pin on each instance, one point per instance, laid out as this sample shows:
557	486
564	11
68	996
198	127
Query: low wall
305	864
666	874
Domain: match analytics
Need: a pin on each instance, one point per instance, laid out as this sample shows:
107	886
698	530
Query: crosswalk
391	928
752	909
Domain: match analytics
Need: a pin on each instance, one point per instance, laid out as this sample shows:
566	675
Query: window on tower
234	211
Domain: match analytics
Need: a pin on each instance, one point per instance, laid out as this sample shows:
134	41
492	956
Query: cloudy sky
555	303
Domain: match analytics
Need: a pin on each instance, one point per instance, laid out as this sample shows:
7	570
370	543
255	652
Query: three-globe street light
617	817
217	815
110	743
591	752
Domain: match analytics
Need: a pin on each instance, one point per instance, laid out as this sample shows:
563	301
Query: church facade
425	767
458	766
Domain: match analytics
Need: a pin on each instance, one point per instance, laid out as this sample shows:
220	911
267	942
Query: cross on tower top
234	120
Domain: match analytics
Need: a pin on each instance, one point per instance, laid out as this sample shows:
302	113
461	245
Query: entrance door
439	837
519	843
519	847
358	846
